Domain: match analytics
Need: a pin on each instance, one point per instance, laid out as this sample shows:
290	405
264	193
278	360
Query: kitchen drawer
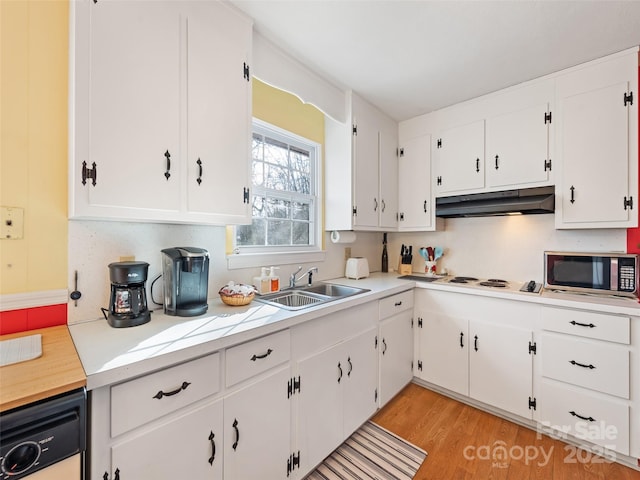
396	303
605	421
601	326
257	356
595	365
146	398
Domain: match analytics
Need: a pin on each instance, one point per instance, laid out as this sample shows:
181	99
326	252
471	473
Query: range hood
525	201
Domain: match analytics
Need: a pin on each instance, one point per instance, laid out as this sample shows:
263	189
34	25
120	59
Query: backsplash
509	247
95	244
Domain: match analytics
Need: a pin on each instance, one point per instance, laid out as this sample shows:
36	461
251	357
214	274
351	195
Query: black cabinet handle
105	476
340	369
397	304
235	427
425	206
572	194
475	343
384	346
461	338
590	325
477	165
213	448
588	419
375	204
573	362
167	172
497	167
384	205
117	474
161	394
350	366
264	355
199	179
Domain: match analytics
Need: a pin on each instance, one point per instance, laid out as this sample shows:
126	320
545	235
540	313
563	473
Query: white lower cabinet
477	347
187	446
395	344
257	429
586	381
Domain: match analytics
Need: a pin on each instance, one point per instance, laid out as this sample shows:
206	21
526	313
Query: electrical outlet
347	253
12	223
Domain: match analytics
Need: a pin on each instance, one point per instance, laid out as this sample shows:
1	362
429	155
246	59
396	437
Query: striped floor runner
371	453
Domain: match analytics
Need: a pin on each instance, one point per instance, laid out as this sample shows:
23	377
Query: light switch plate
11	223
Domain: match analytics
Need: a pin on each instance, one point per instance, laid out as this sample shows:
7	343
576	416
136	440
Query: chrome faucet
293	279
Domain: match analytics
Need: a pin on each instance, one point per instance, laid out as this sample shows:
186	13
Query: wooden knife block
404	268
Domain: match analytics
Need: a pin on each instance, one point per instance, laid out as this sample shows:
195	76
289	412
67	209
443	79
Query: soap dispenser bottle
262	282
274	280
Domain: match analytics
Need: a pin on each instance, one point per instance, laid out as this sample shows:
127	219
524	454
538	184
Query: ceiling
413	57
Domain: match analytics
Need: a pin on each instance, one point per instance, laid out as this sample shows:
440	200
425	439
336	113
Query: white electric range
532	287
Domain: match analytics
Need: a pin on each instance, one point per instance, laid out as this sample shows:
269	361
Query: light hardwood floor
463	442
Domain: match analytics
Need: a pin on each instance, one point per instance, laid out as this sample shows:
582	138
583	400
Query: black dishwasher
41	434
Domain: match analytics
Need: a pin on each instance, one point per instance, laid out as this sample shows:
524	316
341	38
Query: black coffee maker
185	273
128	302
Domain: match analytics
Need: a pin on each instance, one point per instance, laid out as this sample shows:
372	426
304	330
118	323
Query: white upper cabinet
518	148
459	159
415	199
168	89
597	133
361	170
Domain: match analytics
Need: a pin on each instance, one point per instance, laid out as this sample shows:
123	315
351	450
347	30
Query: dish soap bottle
262	282
274	280
385	255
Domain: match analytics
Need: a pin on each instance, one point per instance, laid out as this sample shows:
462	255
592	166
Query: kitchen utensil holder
404	268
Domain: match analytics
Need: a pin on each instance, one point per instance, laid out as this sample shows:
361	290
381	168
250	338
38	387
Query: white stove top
497	284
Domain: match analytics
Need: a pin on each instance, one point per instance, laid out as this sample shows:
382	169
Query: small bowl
237	299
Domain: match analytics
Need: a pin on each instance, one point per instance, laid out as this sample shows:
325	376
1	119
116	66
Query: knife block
404	268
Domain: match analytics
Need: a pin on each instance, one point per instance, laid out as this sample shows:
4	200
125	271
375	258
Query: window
285	199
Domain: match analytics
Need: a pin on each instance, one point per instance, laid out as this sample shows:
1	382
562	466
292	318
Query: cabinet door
320	406
416	204
218	111
389	177
459	159
598	145
360	380
396	354
500	366
128	107
365	156
257	429
517	147
443	346
187	446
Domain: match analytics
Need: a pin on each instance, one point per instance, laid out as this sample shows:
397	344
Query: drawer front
598	366
144	399
605	421
601	326
257	356
396	303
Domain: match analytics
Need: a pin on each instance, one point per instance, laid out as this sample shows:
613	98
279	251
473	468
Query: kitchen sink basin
305	297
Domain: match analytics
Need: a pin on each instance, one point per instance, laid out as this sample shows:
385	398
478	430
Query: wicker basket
237	300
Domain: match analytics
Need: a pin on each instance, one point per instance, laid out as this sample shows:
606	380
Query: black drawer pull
461	338
573	362
264	355
384	346
397	304
590	325
475	343
213	448
235	427
588	419
161	394
340	369
350	366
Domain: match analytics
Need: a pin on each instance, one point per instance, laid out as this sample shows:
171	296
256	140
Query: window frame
316	202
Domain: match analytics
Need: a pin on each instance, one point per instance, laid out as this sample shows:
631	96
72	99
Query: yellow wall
33	142
286	111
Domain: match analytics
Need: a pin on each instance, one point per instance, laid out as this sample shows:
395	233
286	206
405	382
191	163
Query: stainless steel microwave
594	273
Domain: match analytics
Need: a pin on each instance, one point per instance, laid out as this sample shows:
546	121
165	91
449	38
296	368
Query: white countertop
110	355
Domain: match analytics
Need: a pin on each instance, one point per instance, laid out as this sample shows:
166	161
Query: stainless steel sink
305	297
333	290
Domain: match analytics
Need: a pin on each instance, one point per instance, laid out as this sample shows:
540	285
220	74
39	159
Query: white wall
508	247
94	244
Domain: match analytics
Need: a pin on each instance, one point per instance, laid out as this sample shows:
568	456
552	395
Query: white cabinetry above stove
161	113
